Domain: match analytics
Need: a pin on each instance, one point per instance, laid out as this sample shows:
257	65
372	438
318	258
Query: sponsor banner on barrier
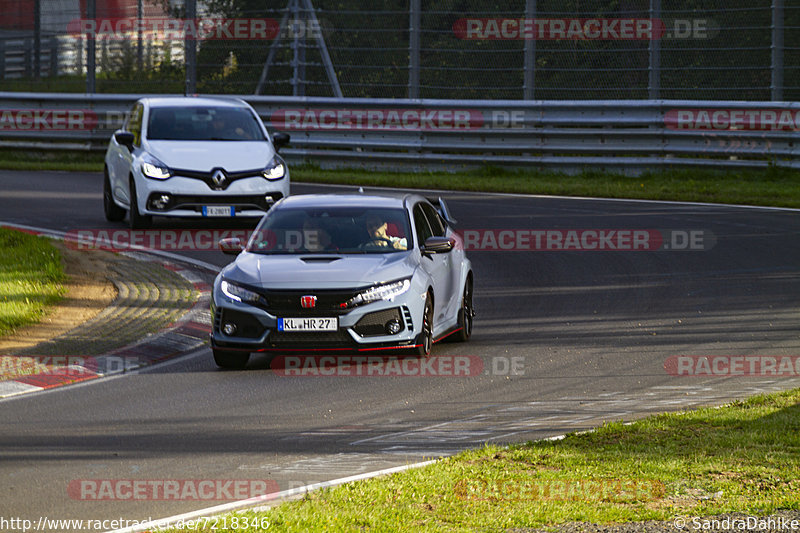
733	365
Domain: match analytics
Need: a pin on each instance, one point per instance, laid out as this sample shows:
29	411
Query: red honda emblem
308	302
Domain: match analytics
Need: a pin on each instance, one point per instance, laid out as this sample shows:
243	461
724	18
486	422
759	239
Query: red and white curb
187	334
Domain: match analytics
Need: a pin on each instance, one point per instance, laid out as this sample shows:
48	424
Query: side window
437	224
135	124
421	225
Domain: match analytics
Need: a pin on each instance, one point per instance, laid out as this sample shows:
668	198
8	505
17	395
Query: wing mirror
437	245
231	246
125	138
279	140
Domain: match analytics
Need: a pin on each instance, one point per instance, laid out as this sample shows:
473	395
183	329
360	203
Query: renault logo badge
218	178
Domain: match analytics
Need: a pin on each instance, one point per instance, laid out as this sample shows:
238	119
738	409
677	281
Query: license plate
308	324
218	211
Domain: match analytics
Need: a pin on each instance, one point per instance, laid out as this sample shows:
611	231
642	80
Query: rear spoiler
443	210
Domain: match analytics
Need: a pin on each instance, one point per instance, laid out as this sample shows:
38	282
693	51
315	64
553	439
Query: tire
230	359
465	314
425	338
114	213
137	220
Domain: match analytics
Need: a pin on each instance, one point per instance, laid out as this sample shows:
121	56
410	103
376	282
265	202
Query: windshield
203	124
339	230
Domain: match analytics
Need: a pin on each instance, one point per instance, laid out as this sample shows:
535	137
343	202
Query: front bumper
190	197
363	328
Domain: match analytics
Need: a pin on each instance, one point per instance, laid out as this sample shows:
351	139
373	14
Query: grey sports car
350	272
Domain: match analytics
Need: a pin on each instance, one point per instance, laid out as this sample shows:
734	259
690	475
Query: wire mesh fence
448	49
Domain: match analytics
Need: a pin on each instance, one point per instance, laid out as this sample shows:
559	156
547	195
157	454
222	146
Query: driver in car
377	229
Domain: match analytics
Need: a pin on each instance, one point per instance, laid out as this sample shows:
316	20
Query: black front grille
240	202
310	337
287	303
207	177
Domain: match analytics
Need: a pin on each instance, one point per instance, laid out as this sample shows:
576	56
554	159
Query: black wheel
230	359
137	220
114	213
465	315
425	338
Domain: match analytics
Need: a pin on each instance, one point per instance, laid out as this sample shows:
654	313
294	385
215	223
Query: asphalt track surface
589	333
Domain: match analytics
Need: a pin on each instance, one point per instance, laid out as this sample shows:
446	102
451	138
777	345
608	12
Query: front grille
287	303
206	177
374	324
240	202
310	337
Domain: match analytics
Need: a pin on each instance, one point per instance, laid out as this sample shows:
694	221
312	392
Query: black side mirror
125	138
279	140
437	245
231	246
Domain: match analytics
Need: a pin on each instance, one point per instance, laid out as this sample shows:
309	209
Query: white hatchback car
192	157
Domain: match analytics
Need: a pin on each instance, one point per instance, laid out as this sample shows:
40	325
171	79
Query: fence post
414	22
2	59
91	59
529	73
777	51
190	50
53	56
37	39
654	78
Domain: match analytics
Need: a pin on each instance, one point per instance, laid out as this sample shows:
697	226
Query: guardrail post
139	43
2	59
776	87
414	22
529	73
27	60
91	59
654	71
37	39
190	50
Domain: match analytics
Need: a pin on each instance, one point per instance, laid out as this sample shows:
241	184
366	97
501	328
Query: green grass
744	457
770	187
31	278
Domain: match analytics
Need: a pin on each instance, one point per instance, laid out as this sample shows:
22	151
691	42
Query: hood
316	271
203	156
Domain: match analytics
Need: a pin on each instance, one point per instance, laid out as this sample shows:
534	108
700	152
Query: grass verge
771	187
742	457
31	278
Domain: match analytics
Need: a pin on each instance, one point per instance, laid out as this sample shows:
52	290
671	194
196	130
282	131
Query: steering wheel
377	243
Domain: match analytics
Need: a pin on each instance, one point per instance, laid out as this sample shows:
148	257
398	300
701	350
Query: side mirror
279	140
125	138
437	245
231	246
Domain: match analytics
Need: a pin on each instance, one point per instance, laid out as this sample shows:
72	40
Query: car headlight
380	292
240	294
153	168
275	169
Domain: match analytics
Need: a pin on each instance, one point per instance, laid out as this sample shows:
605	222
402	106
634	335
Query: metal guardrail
625	136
